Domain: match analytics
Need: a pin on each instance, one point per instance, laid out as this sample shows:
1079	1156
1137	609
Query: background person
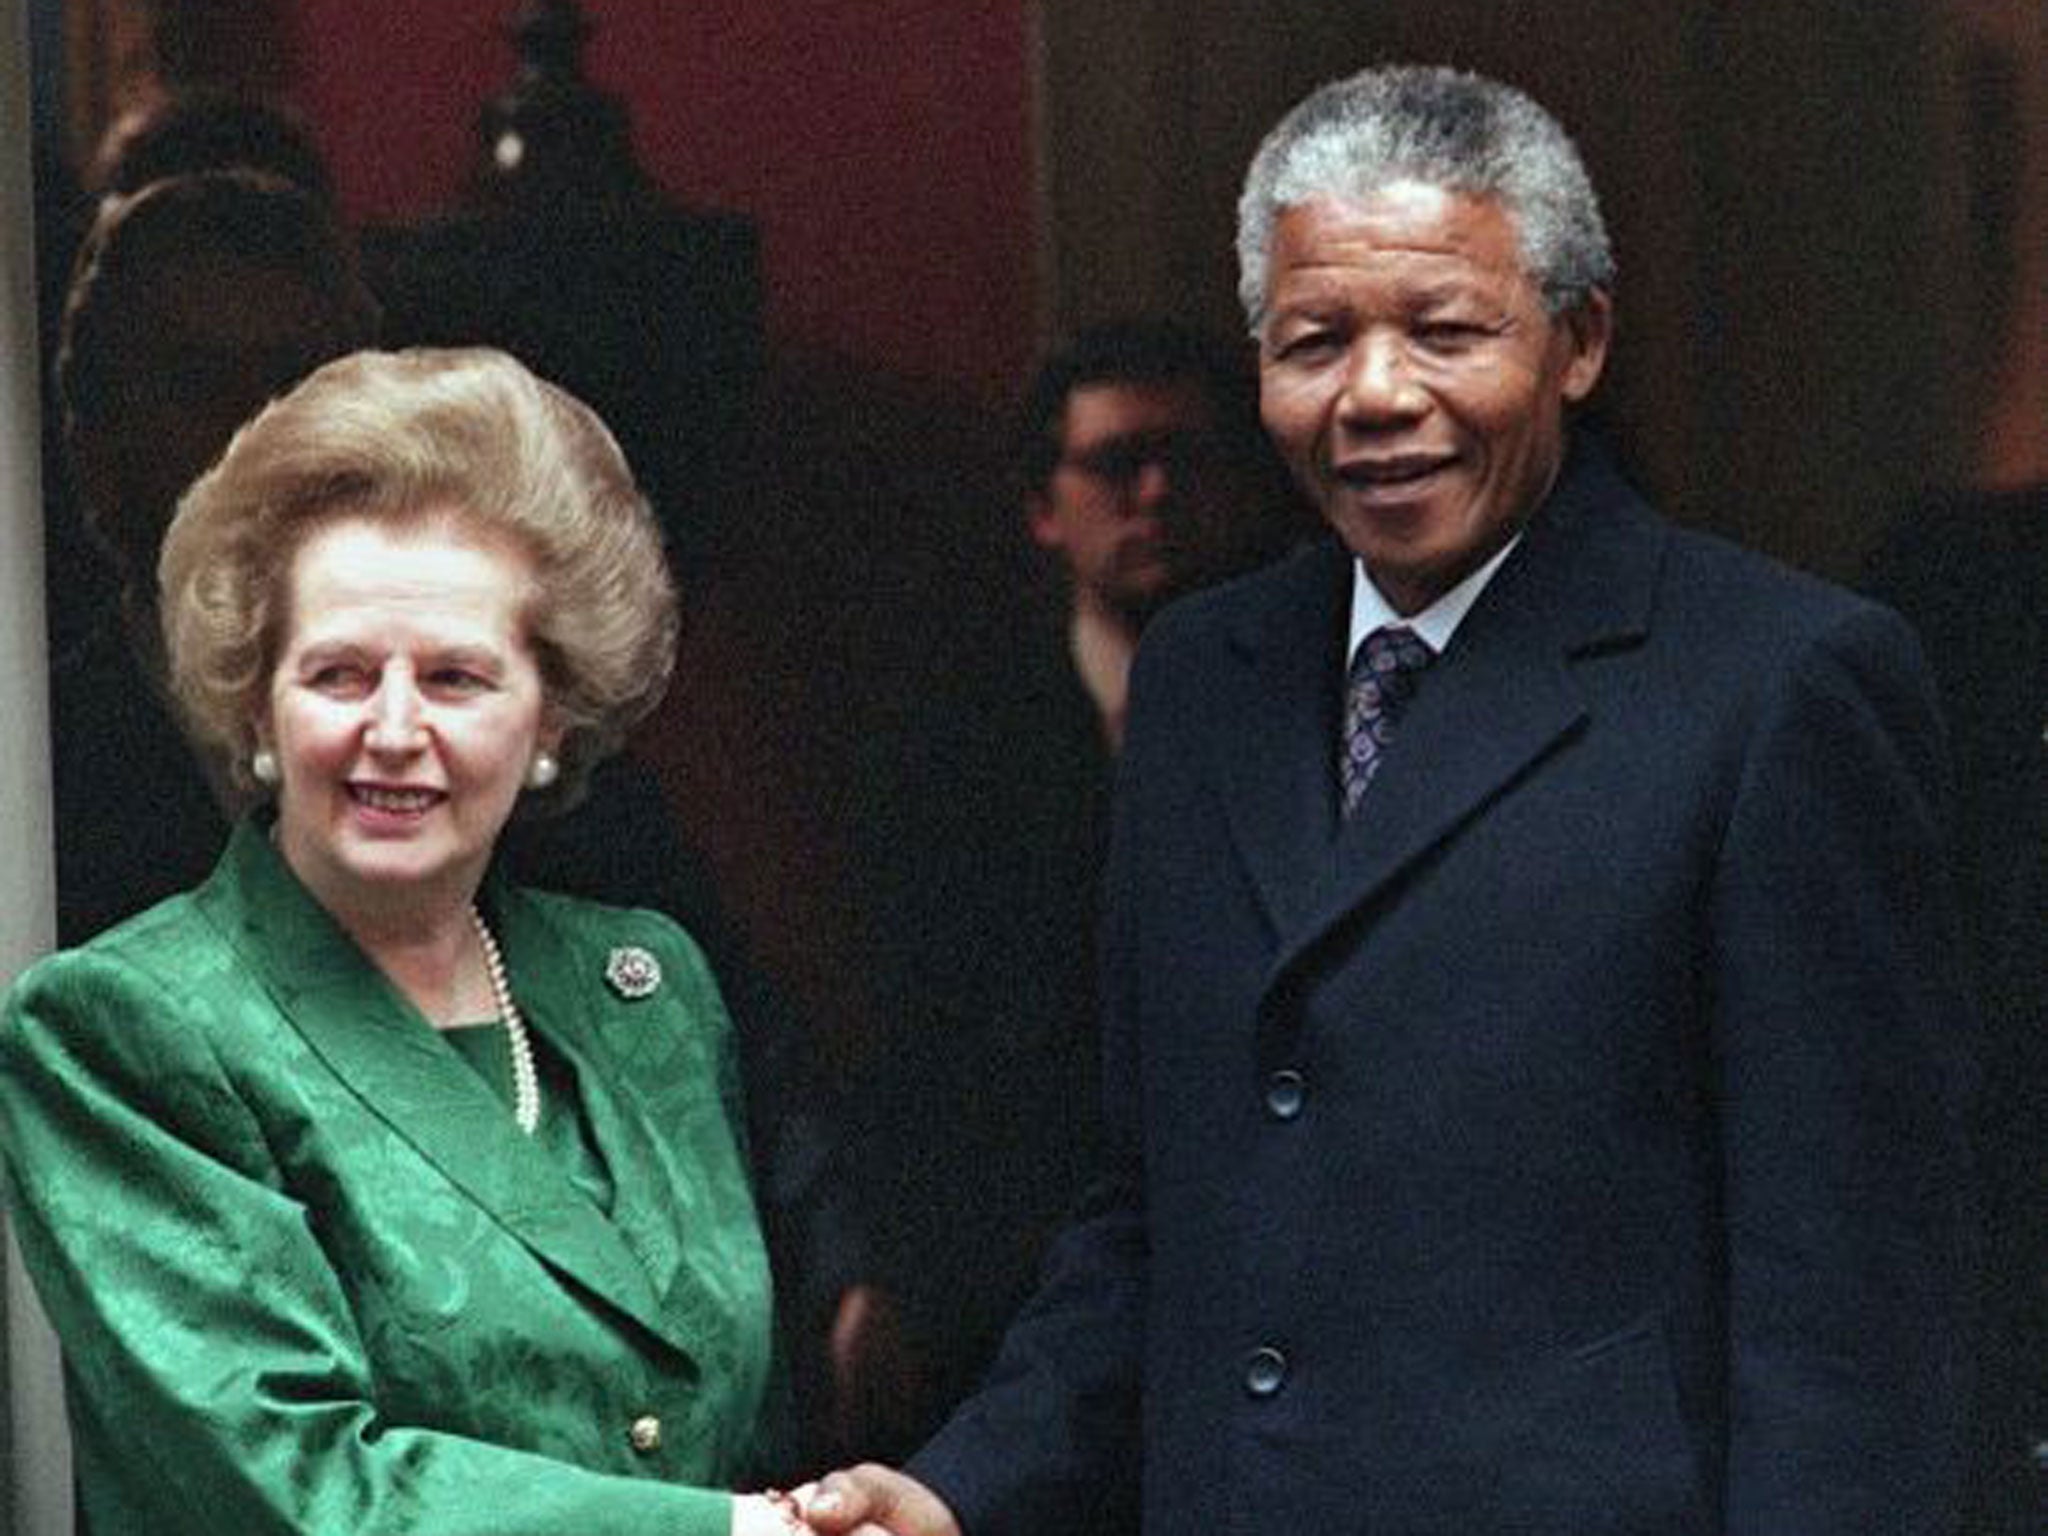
192	303
366	1189
1534	1059
1140	474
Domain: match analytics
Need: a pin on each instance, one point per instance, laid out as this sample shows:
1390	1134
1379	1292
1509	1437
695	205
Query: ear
1588	327
552	730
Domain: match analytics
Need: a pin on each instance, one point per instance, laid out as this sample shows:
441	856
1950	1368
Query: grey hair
1445	128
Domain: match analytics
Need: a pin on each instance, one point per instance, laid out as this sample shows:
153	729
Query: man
1536	1107
1144	476
1141	474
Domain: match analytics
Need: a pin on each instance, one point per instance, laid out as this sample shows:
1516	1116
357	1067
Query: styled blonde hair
407	439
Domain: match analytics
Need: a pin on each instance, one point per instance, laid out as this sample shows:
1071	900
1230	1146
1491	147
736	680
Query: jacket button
1264	1372
1285	1091
645	1433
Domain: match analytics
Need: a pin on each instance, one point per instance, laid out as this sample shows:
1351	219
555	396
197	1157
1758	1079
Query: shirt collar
1435	624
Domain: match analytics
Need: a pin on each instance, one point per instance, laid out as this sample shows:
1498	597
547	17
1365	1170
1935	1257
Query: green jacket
310	1277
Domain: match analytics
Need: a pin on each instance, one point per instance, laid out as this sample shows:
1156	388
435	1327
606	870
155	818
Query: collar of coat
1500	700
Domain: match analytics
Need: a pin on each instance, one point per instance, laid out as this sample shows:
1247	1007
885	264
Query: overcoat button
1285	1091
1264	1372
645	1434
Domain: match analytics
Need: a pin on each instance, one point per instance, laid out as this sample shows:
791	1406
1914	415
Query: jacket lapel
1499	701
569	1001
390	1057
1281	769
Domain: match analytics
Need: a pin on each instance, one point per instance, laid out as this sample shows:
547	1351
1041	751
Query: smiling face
405	710
1414	381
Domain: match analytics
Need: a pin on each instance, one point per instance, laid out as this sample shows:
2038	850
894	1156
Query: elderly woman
367	1191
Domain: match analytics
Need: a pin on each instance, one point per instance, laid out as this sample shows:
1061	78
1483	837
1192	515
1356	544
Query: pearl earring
542	771
263	766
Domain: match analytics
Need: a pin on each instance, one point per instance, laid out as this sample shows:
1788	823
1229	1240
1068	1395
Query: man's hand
873	1500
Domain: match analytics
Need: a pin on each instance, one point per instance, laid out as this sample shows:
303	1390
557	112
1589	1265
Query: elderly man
1532	1058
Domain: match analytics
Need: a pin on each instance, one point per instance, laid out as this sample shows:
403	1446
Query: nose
1154	483
1379	384
395	715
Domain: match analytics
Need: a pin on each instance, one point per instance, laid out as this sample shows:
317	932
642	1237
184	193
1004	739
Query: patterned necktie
1384	675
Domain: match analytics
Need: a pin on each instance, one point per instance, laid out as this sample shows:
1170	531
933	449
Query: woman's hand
765	1514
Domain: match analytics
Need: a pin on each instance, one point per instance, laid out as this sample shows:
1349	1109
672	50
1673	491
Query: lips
1391	471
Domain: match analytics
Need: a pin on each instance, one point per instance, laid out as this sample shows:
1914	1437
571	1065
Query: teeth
394	799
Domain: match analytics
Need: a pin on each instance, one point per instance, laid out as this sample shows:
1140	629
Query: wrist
770	1513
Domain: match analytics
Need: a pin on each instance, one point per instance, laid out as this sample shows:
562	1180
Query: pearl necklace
525	1077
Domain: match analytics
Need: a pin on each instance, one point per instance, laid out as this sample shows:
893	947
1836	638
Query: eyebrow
476	658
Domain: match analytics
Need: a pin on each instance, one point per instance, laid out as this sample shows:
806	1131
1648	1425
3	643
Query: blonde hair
406	439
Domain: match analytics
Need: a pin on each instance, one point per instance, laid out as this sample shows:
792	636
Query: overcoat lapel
1500	700
389	1056
1283	745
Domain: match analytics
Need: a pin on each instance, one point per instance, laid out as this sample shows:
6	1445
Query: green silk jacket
310	1277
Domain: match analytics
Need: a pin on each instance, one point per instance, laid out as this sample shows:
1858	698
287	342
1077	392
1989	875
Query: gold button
645	1434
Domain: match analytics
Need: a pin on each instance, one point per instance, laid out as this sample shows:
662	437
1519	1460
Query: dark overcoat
1569	1144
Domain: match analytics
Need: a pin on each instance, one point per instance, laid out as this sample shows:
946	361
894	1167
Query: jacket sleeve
210	1347
1843	1045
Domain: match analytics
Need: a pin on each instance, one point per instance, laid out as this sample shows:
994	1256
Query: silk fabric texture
309	1276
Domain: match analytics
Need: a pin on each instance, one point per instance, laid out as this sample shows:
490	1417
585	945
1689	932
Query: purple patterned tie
1383	677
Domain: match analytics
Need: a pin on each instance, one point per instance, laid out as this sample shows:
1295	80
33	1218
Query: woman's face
404	712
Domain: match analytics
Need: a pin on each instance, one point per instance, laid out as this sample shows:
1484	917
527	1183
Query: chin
395	869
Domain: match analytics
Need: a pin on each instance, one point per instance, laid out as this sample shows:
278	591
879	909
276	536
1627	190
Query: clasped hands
867	1500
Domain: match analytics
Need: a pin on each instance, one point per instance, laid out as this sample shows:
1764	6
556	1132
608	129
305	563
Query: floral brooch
632	972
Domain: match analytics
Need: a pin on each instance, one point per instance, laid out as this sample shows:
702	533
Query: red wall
882	146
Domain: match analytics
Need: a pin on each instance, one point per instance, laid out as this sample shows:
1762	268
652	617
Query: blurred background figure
193	301
178	133
1140	474
166	133
1145	475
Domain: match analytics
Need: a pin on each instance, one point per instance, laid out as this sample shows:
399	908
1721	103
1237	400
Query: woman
367	1191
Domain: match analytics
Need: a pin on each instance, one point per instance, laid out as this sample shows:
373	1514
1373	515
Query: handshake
868	1500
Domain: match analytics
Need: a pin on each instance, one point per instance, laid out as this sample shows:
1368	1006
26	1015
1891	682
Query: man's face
1414	381
1143	503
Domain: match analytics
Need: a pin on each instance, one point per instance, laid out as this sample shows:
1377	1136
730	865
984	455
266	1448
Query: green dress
310	1277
